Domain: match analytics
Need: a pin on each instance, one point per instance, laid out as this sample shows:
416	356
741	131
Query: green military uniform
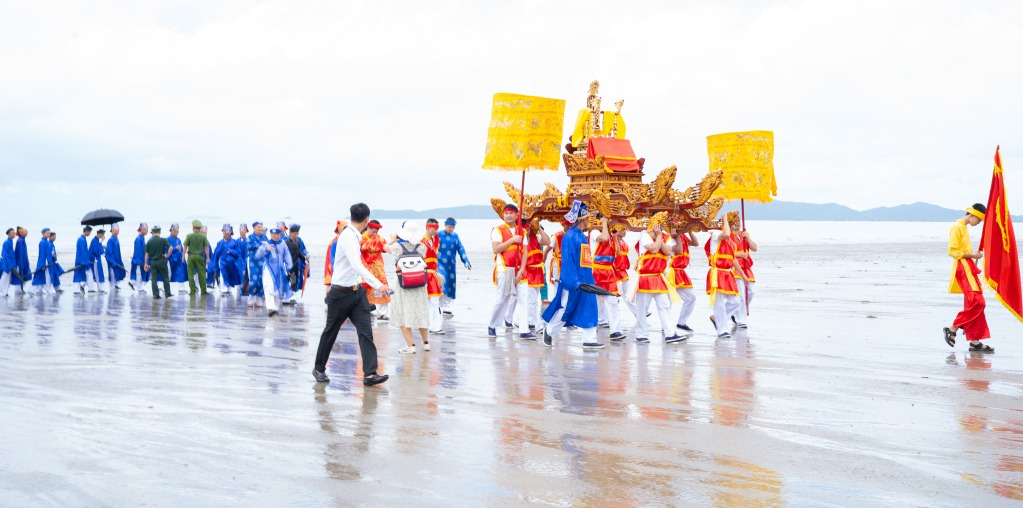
156	248
197	245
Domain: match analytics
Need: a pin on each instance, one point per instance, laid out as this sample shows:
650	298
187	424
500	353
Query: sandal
982	348
950	337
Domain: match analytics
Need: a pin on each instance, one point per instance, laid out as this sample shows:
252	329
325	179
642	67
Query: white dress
409	307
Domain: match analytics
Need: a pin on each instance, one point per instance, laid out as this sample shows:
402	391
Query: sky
241	109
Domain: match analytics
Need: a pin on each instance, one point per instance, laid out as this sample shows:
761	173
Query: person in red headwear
434	287
373	247
506	242
328	266
607	246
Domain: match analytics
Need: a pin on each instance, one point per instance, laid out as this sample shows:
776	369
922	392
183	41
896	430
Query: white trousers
663	302
436	319
609	306
5	283
273	302
688	297
445	303
623	289
504	304
382	309
726	306
88	285
47	286
742	294
112	282
556	324
528	306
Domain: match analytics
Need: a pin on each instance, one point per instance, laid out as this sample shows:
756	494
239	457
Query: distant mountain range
777	210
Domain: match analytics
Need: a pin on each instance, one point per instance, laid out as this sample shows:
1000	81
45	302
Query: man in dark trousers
158	250
346	299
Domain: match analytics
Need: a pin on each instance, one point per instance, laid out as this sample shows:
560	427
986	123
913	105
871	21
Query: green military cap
196	224
156	229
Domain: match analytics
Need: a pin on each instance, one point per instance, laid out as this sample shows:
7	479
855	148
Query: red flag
998	241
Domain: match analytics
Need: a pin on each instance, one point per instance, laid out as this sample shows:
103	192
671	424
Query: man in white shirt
346	299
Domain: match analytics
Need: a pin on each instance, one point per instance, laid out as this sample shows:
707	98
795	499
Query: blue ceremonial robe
450	245
44	263
7	262
21	257
56	270
277	262
98	252
138	259
178	268
225	262
576	269
113	258
240	254
256	264
83	259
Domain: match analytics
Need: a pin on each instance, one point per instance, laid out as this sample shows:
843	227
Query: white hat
409	232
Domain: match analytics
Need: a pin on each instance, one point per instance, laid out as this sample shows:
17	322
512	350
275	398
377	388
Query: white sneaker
408	350
426	347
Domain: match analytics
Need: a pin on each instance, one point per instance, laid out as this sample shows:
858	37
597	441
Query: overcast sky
277	108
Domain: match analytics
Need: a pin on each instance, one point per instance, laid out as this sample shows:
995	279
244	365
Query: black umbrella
101	217
595	290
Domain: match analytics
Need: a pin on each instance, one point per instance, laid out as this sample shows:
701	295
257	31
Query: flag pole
742	206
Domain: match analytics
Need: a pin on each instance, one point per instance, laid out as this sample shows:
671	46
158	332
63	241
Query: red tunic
621	260
603	265
510	257
556	257
742	245
432	279
720	278
651	266
534	263
679	262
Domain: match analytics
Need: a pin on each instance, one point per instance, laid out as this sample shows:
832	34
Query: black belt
346	289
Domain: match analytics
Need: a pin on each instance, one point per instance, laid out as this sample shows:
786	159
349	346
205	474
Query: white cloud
873	103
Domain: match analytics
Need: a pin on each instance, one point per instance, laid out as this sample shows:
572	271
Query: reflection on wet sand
980	425
122	400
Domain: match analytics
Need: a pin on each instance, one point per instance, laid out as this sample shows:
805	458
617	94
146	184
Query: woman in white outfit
409	307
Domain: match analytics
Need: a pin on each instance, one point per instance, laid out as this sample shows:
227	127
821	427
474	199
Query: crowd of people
268	270
591	273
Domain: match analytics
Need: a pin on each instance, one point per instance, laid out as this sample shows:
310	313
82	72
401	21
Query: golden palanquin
617	190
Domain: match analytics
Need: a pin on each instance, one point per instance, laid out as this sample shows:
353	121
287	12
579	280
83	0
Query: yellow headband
976	213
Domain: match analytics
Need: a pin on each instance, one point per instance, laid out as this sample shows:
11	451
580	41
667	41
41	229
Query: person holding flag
964	280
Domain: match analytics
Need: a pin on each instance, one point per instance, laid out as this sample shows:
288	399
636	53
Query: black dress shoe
321	377
375	379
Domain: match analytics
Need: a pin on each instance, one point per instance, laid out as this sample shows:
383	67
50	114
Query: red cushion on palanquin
618	154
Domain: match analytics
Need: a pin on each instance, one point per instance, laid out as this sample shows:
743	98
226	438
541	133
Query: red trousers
971	319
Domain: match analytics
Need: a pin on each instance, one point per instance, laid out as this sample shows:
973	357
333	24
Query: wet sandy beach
841	393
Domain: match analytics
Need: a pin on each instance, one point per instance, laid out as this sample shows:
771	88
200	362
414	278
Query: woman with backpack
410	304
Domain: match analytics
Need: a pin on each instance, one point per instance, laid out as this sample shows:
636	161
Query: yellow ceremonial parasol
524	135
746	160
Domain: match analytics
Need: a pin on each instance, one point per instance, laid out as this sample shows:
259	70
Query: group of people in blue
268	267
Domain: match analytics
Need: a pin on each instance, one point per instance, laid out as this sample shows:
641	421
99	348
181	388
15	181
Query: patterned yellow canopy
525	133
747	161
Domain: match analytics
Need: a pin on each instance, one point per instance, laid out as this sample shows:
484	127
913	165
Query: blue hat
449	222
276	231
142	225
45	230
228	229
257	222
579	211
174	227
281	224
295	228
243	227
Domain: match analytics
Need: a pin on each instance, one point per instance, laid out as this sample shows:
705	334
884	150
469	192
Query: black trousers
342	305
